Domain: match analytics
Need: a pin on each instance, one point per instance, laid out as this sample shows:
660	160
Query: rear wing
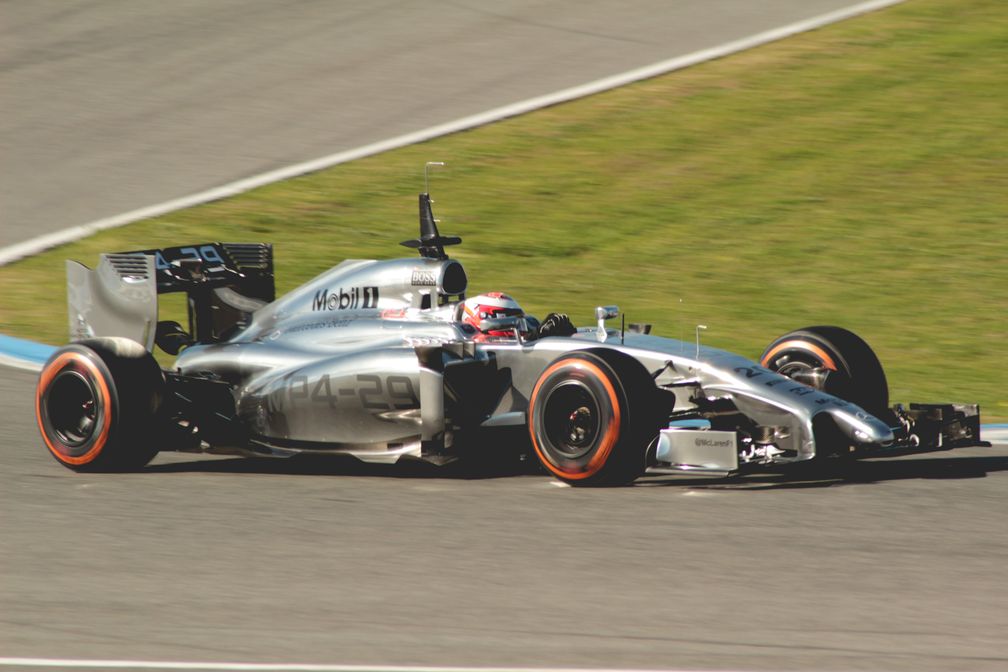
225	283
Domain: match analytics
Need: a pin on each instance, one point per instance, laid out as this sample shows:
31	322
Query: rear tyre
592	415
97	403
850	368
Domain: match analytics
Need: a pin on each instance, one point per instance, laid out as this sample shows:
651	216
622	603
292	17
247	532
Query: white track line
18	363
36	245
281	667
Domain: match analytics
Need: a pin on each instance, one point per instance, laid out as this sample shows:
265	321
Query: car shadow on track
799	477
492	458
345	465
857	472
339	465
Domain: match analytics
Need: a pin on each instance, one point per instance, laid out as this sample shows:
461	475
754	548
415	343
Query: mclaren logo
355	298
709	443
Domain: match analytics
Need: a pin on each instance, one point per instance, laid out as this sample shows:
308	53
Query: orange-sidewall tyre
591	417
96	402
838	350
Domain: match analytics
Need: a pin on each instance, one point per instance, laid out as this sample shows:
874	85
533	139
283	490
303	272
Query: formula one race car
373	359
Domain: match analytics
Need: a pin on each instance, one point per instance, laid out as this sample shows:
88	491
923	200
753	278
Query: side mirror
606	312
603	313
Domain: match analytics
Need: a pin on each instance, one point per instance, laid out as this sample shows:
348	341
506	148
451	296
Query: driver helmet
490	306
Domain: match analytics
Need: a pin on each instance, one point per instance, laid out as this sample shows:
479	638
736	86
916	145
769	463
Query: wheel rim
72	409
809	369
803	371
571	420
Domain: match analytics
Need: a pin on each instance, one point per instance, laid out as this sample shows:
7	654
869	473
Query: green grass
856	175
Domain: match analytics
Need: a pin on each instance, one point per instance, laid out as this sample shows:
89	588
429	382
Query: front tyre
591	417
834	360
97	402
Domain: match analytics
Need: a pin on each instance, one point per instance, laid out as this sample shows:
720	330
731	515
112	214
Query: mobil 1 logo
354	298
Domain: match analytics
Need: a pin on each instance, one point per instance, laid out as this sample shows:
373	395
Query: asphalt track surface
899	565
108	106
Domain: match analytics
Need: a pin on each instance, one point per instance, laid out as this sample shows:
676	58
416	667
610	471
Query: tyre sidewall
617	456
130	389
83	361
593	376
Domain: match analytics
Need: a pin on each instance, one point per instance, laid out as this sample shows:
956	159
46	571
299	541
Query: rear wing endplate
118	298
225	284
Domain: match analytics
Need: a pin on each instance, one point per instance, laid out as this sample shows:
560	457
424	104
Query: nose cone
862	427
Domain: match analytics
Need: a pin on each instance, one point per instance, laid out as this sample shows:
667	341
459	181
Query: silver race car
386	359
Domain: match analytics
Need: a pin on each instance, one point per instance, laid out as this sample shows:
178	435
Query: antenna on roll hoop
431	243
426	174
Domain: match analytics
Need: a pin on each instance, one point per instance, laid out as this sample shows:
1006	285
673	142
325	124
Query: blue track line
26	352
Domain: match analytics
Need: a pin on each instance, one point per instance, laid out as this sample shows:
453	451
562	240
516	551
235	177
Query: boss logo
355	298
424	278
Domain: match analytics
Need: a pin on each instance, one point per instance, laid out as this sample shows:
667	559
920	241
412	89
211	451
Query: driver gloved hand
556	324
